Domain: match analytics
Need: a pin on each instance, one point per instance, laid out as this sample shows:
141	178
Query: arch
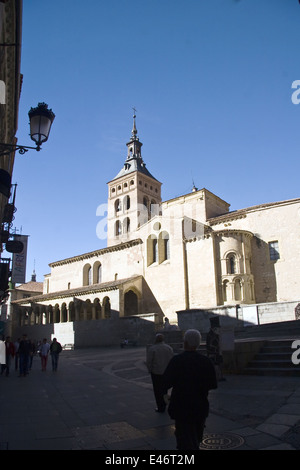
87	273
64	313
106	307
118	228
56	314
118	205
126	203
97	272
163	246
50	314
130	303
231	262
126	225
225	290
97	307
237	289
152	249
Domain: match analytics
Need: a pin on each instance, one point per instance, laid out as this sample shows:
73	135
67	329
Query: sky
211	81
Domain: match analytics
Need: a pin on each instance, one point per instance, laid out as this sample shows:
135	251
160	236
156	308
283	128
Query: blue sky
212	84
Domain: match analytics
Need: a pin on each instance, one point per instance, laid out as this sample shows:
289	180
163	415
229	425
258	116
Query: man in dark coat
190	375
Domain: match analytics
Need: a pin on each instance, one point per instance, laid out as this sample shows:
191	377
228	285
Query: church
162	257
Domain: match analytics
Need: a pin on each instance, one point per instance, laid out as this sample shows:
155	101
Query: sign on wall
19	261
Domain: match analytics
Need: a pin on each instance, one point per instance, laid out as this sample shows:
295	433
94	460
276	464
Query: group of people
23	351
191	376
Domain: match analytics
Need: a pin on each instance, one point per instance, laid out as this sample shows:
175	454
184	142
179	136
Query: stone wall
237	315
95	333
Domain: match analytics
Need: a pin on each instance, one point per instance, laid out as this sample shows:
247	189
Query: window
231	263
90	276
274	251
117	205
127	225
118	228
127	203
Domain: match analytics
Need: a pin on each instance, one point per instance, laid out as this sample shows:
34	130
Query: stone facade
190	252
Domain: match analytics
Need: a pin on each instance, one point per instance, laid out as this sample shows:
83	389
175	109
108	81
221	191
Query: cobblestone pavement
102	399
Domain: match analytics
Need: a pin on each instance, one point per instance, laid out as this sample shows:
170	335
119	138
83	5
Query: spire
134	130
134	161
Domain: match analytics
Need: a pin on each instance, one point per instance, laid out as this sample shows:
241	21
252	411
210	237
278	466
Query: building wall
117	264
276	280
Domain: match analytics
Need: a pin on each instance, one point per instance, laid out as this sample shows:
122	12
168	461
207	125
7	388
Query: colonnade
75	310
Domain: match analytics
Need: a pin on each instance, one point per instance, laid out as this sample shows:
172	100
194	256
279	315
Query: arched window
164	246
97	272
87	275
152	250
118	205
231	263
90	276
118	228
126	225
126	203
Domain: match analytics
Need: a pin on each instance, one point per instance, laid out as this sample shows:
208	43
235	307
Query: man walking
158	357
191	375
55	350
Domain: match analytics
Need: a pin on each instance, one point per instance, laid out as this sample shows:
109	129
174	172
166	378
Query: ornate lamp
41	119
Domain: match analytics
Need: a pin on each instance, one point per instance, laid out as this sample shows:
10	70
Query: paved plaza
102	399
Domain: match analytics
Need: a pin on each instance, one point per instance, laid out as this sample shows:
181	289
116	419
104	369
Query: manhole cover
221	441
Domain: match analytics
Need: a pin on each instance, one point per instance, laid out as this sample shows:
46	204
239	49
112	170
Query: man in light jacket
158	357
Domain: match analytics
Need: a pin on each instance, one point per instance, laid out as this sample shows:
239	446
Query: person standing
158	357
55	350
190	375
24	350
16	345
9	355
44	351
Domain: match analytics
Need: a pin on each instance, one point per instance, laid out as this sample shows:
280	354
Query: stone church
186	253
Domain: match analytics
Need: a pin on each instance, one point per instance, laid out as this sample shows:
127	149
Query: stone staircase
275	358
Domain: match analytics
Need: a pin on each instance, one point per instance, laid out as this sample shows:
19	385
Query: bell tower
134	195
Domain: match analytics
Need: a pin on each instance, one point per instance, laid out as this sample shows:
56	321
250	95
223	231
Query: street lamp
41	119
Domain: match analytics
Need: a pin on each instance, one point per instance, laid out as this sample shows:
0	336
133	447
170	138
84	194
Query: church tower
134	195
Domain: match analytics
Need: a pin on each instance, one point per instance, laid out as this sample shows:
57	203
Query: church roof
31	286
134	161
78	291
134	164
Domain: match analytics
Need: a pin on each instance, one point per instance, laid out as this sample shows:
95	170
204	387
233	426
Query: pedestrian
190	375
44	351
213	350
9	355
55	350
16	345
158	357
24	350
31	353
